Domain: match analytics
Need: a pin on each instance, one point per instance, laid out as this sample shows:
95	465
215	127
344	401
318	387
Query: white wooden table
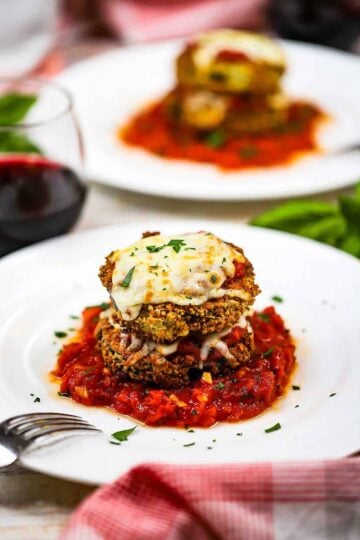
34	506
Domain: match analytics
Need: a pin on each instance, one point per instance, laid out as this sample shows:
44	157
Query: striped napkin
144	20
282	501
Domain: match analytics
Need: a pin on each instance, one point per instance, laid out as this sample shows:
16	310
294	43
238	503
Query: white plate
41	286
112	86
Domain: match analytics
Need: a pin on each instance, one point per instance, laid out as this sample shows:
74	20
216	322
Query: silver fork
344	149
19	432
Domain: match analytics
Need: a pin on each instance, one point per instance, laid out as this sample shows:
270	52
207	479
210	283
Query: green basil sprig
335	224
13	109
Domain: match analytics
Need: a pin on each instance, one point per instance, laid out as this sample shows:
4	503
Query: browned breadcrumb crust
168	372
147	234
167	322
259	115
265	78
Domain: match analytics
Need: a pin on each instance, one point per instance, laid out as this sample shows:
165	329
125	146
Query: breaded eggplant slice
202	110
232	61
128	356
167	322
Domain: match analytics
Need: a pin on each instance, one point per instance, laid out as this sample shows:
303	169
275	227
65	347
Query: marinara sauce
152	130
243	394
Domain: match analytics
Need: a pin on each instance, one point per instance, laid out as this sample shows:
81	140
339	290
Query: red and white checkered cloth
299	501
144	20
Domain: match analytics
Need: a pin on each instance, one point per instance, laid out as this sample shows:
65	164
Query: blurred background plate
112	86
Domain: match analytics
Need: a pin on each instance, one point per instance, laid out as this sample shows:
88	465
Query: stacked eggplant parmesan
179	306
229	79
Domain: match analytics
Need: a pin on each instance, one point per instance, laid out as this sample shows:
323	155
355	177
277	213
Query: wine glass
41	157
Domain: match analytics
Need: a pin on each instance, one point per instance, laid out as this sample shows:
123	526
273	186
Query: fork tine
40	414
18	420
59	429
30	426
25	427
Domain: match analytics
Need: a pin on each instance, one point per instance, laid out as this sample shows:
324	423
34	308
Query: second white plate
112	86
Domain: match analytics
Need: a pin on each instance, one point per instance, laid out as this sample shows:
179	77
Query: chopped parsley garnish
176	244
103	305
190	249
37	400
154	267
213	278
74	317
63	394
188	297
239	434
296	406
264	317
122	435
295	387
214	440
224	260
154	249
219	385
268	352
189	444
209	448
132	254
127	279
215	139
190	431
164	288
194	412
277	298
275	427
333	394
60	334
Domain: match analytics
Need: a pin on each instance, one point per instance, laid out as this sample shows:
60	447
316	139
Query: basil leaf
11	141
123	435
351	244
292	215
14	106
350	208
328	230
336	225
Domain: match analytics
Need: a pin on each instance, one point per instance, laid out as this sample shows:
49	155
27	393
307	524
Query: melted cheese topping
188	269
256	47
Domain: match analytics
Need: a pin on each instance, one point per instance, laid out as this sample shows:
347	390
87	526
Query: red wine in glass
39	199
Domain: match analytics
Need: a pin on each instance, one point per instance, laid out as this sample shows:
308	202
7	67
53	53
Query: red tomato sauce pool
243	394
151	130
